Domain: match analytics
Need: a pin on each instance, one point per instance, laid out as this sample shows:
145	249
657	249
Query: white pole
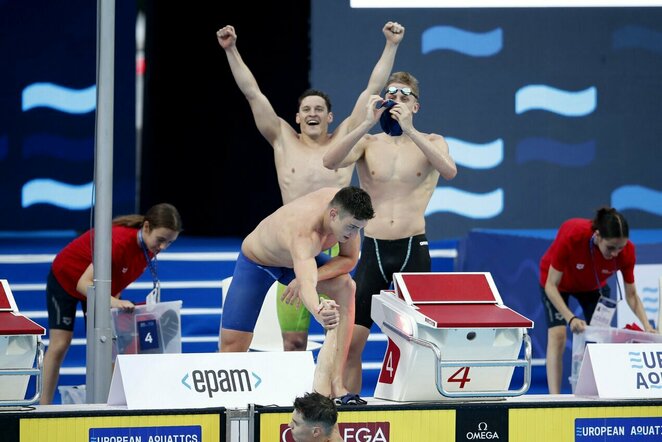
99	355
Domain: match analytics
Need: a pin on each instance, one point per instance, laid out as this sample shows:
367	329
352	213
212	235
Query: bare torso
270	243
400	181
300	169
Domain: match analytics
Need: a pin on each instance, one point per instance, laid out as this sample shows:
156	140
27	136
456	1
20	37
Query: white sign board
621	371
201	380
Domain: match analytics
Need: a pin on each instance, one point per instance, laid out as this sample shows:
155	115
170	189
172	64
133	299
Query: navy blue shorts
588	301
61	305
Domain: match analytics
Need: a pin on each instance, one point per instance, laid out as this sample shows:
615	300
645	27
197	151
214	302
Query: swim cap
389	125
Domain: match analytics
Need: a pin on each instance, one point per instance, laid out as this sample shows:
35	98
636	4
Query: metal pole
99	358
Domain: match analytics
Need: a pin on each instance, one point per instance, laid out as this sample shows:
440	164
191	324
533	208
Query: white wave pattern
566	103
48	191
476	156
467	204
60	98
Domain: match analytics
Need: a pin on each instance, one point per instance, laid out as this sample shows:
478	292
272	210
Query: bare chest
301	170
388	163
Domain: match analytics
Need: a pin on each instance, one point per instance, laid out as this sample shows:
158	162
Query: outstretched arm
341	152
394	32
266	120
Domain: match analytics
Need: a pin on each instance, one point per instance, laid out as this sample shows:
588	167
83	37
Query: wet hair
318	93
317	409
355	202
405	78
160	215
611	223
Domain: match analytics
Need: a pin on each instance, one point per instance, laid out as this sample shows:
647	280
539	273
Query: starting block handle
37	372
439	364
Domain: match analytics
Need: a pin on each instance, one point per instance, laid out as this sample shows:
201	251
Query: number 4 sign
455	377
148	334
392	360
390	364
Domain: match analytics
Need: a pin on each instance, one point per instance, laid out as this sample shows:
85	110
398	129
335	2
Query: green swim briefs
291	318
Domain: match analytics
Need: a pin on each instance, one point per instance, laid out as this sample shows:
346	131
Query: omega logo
482	433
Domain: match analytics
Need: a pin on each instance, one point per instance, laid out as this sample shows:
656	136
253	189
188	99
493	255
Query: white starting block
449	335
20	342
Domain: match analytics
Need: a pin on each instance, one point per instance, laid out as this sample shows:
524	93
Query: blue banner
189	433
618	429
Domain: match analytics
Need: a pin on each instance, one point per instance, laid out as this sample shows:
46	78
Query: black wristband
570	321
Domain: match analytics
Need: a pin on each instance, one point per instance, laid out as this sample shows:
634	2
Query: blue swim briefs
250	283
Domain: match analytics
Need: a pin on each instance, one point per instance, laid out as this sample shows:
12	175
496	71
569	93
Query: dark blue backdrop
549	112
47	113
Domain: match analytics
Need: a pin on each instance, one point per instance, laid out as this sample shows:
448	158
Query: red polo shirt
580	261
128	260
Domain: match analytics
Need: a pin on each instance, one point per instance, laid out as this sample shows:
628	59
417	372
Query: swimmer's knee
295	341
345	284
235	340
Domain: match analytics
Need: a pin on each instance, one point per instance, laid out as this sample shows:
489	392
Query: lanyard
595	271
151	263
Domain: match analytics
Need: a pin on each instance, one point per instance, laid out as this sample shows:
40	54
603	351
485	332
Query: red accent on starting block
5	304
444	288
11	321
449	336
473	315
20	349
457	300
17	324
390	364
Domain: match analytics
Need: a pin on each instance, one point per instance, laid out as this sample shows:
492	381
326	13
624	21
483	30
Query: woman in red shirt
583	256
136	240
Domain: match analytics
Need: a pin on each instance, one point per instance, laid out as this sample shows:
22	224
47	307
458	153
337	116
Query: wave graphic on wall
651	311
467	204
60	98
558	101
635	197
637	37
474	155
555	152
450	38
651	303
53	146
56	193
